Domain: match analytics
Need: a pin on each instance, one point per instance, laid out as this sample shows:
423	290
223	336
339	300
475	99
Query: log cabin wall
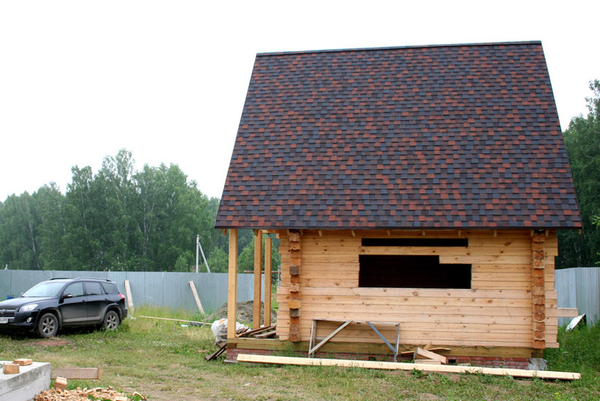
498	310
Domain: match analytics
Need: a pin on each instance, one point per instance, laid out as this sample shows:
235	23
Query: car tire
111	320
47	325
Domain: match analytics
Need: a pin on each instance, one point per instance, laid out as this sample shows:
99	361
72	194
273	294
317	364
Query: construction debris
423	356
216	353
60	383
575	322
257	332
79	394
219	328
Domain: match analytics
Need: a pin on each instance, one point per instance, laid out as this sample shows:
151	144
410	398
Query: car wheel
111	320
47	325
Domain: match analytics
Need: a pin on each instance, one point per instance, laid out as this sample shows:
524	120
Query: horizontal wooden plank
499	284
339	301
78	373
562	312
420	292
409	367
382	313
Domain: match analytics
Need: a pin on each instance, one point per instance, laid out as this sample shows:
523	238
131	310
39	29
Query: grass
165	361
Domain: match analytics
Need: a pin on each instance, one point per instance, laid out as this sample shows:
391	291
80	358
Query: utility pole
199	248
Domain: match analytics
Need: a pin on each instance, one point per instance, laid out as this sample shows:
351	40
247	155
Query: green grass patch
164	360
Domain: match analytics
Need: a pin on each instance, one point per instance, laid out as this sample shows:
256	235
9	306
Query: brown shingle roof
456	136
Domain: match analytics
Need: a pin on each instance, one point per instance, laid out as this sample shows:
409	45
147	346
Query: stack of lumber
261	332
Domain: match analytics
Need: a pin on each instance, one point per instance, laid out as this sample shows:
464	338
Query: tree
19	233
582	140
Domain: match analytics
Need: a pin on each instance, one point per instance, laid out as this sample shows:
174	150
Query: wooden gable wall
511	303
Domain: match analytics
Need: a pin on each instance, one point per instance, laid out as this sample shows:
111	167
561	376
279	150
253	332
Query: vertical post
268	268
232	287
197	244
538	291
257	277
295	247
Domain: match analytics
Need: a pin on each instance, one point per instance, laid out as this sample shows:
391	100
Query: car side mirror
67	295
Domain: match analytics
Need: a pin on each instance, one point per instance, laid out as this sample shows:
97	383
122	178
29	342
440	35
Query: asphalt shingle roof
454	136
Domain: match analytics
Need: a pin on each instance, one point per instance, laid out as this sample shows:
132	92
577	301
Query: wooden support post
268	283
257	278
538	290
196	298
295	248
232	287
129	298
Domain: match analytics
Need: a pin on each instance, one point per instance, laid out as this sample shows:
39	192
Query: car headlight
28	308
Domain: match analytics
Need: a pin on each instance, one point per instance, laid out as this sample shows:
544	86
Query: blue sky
167	79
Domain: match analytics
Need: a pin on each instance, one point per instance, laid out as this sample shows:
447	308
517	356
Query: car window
93	288
75	289
109	288
45	289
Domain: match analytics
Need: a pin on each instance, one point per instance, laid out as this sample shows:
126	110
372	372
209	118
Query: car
55	304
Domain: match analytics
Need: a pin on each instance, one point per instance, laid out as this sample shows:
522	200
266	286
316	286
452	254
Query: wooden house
418	188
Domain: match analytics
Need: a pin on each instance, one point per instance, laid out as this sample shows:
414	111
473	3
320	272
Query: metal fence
579	287
164	289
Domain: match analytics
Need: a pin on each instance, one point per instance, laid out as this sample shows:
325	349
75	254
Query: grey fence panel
579	288
165	289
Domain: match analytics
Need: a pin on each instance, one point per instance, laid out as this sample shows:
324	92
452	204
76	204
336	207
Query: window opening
412	271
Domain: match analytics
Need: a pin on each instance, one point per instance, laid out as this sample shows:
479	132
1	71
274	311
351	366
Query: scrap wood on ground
109	394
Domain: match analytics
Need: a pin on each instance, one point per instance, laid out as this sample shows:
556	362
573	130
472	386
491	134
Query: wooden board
129	298
196	298
550	375
77	373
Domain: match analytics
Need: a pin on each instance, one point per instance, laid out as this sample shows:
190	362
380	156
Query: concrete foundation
26	384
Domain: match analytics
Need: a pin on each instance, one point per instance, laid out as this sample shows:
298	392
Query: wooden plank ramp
550	375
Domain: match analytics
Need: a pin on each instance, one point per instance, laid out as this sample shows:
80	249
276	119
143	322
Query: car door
72	305
96	300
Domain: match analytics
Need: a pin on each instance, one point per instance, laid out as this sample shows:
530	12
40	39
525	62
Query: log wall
498	310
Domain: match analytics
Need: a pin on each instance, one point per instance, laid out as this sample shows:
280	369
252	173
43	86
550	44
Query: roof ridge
365	49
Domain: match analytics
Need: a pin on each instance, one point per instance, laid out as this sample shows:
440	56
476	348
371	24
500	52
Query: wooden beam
196	298
77	373
268	283
566	312
281	360
232	287
257	277
129	298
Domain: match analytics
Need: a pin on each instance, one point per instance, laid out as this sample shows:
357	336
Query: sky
167	80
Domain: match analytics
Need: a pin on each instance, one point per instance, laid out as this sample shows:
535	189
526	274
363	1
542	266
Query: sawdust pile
79	394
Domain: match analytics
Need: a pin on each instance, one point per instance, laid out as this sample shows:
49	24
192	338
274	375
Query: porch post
232	288
257	277
268	267
538	290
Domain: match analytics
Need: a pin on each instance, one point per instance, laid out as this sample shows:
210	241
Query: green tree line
582	140
117	219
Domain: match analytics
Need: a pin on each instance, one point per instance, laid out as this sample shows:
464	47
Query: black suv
51	305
